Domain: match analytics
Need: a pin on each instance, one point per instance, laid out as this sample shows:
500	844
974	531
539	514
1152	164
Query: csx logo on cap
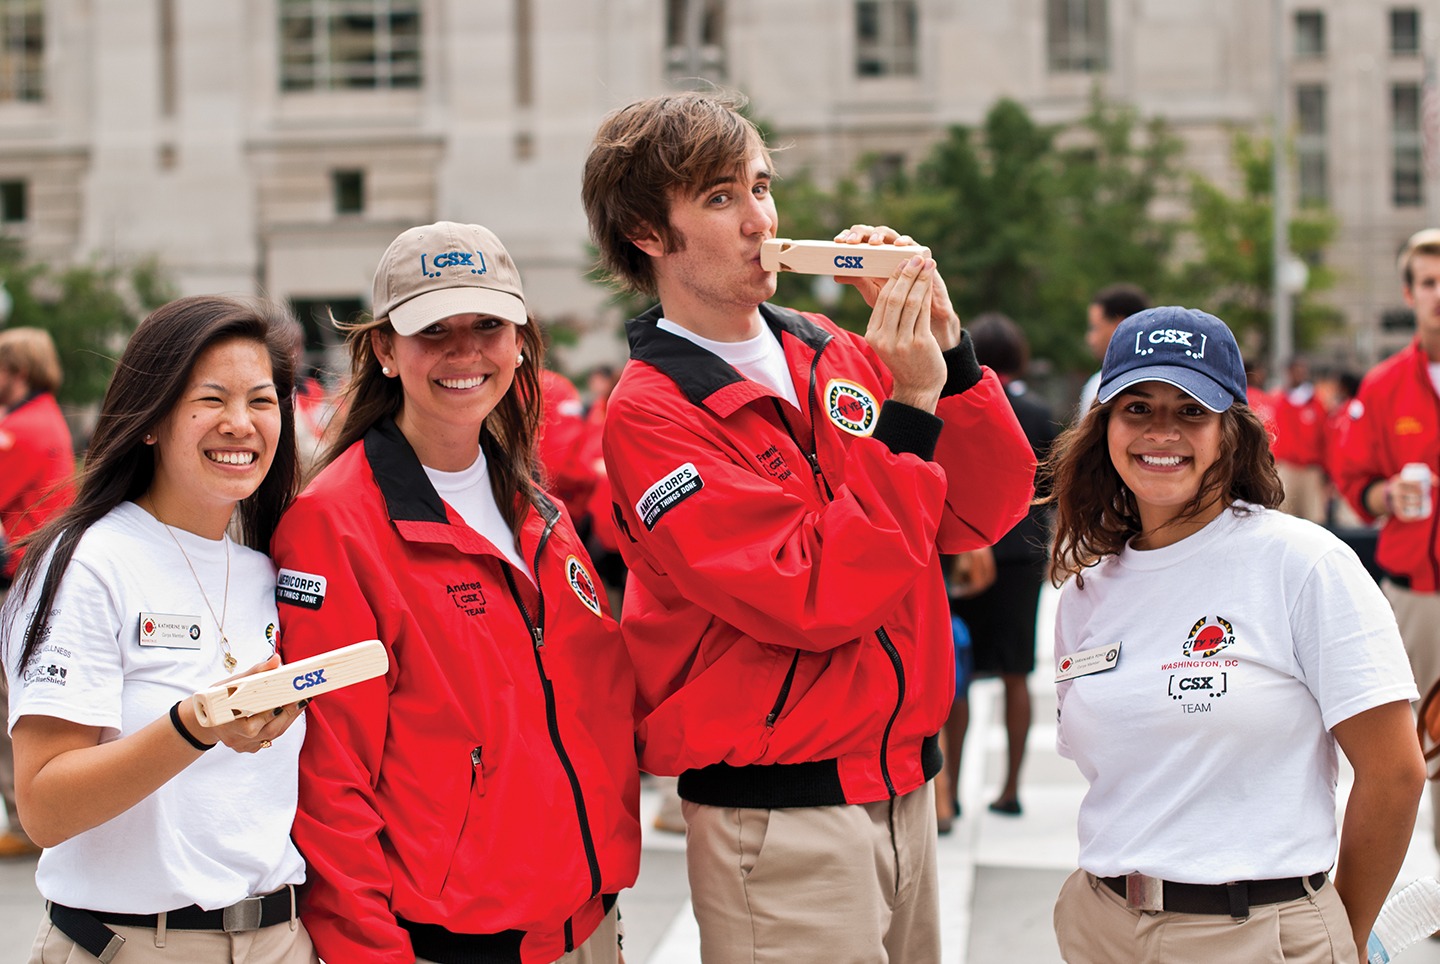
1171	336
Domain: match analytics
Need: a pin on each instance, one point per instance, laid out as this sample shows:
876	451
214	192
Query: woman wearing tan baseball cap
481	799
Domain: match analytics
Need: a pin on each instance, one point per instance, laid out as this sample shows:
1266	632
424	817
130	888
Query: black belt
435	943
1234	898
87	927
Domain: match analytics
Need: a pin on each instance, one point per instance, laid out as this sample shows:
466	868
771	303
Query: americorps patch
677	486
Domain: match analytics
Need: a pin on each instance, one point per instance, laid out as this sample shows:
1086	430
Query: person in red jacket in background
1395	422
37	468
1261	402
37	460
1299	444
783	489
566	448
480	802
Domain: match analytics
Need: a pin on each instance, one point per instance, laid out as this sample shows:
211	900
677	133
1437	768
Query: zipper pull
475	757
814	461
539	635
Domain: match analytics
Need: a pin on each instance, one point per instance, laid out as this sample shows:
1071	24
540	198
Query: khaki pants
1418	615
1305	495
829	885
278	944
601	947
1094	926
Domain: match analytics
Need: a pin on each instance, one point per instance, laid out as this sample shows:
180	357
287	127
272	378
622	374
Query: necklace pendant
229	662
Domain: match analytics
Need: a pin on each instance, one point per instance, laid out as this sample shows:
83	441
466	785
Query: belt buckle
244	916
1144	893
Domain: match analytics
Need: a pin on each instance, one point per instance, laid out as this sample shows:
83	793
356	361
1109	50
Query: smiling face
1161	443
712	282
217	443
453	373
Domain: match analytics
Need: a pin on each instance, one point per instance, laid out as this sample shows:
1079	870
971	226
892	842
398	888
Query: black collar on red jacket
699	373
409	495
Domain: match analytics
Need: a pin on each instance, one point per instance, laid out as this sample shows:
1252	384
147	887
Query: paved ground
998	875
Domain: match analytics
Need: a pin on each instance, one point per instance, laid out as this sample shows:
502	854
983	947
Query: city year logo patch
582	584
1209	636
851	407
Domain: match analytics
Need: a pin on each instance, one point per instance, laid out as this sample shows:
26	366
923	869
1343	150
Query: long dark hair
508	435
148	382
1095	514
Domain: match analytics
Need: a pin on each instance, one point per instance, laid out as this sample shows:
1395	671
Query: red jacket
37	465
786	604
567	445
487	782
1395	419
1299	430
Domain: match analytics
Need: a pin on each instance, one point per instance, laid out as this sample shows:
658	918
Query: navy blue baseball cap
1184	347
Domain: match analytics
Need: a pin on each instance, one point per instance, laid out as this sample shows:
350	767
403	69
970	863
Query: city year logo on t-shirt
1208	637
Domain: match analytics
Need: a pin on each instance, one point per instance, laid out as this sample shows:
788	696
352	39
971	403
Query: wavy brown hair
508	434
1095	514
147	385
644	152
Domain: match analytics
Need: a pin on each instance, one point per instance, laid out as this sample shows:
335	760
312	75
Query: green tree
89	310
1233	274
1031	219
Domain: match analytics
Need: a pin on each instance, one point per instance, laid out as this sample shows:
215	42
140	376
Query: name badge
1087	661
169	631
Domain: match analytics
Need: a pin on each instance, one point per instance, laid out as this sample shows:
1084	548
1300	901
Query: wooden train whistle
835	258
295	681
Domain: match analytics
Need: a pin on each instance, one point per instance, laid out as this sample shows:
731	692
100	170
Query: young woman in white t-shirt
1211	653
157	839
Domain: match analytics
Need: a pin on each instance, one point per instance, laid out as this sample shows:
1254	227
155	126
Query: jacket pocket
476	791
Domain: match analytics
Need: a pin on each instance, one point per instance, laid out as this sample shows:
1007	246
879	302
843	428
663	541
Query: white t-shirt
219	830
760	359
470	493
1208	748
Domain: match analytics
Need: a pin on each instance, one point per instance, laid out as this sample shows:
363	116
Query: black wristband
180	728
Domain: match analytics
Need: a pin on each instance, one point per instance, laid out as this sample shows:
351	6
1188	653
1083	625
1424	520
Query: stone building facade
276	146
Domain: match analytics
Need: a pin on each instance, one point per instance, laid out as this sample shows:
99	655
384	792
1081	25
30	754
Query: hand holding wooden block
300	680
835	258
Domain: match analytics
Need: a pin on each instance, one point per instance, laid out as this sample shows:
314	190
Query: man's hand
944	322
900	332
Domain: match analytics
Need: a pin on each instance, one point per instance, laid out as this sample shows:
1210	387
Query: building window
1078	36
1310	143
1404	32
22	50
1407	168
14	202
695	39
1309	34
887	38
349	44
348	189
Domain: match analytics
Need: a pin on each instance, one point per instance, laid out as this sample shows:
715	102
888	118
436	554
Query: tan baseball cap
443	269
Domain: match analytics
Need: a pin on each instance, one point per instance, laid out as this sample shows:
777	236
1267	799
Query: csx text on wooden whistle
834	258
292	682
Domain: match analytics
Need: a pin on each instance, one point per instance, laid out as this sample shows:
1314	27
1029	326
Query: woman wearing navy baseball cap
1211	653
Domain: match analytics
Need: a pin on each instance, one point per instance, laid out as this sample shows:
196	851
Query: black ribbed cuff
904	428
962	370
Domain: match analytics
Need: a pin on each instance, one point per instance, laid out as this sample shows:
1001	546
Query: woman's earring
384	370
520	358
149	439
